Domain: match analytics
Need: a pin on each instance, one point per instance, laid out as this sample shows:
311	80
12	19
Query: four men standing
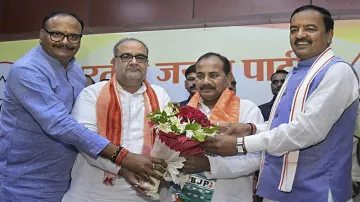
307	143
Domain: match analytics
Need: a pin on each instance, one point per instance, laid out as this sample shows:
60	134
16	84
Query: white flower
169	111
189	134
174	121
164	127
181	127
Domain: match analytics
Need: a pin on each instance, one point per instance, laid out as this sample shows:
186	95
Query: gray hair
115	50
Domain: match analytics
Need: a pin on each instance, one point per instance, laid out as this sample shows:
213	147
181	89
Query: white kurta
87	173
234	174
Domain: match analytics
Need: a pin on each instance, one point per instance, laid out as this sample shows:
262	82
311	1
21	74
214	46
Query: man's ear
330	34
41	35
112	61
228	77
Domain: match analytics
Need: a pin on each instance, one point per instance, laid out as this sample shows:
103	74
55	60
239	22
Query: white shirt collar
141	90
203	108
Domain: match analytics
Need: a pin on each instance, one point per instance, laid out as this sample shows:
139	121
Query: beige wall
20	19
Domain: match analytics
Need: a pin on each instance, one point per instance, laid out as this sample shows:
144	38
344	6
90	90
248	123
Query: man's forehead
211	64
132	46
63	20
279	76
192	74
209	69
305	18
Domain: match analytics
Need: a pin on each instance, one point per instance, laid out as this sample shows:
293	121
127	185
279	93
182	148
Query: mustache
66	46
302	40
133	67
207	88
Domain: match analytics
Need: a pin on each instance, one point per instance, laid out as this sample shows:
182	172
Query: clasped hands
137	169
224	144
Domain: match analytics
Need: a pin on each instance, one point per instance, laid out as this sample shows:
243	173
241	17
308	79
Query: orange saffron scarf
108	114
226	109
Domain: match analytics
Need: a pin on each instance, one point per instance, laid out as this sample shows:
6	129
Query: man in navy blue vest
307	143
190	75
277	80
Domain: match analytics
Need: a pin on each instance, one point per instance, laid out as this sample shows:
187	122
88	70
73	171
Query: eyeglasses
126	57
58	36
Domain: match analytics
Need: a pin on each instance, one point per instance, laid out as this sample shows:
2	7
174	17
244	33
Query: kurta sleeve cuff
254	143
213	168
261	127
93	144
112	168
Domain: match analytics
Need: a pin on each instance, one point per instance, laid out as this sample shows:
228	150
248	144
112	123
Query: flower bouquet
181	129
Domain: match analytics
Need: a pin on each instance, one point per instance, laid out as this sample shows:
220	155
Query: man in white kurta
87	173
233	174
308	145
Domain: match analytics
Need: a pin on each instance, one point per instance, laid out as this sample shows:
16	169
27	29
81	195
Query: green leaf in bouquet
199	135
170	105
176	111
157	111
163	113
209	130
162	119
152	118
192	126
174	128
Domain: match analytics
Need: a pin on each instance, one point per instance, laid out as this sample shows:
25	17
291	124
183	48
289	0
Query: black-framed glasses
59	36
126	57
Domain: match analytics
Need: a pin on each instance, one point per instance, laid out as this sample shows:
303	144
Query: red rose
192	114
180	143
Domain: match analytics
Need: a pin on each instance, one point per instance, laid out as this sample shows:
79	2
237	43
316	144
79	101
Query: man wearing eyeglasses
277	80
39	139
122	103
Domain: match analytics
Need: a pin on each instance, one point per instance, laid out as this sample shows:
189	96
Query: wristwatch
240	145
